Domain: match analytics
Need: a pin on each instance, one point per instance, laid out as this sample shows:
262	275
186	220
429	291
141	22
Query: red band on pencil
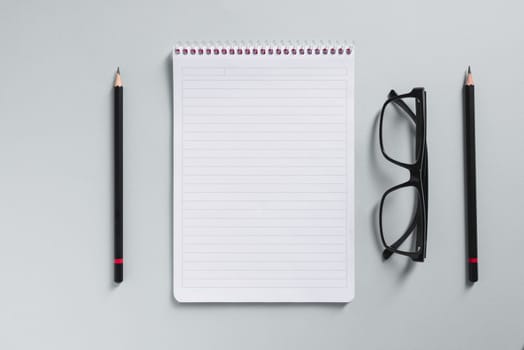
473	260
119	261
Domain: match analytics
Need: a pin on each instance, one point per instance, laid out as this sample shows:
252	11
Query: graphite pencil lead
469	69
118	70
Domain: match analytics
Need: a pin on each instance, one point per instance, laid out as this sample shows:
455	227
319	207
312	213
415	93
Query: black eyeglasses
404	208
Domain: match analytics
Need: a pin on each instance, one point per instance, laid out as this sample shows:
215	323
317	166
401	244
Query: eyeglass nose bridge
415	175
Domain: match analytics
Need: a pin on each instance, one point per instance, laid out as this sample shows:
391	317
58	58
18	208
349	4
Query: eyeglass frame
418	176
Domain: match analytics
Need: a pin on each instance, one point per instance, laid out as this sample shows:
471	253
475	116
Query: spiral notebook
263	202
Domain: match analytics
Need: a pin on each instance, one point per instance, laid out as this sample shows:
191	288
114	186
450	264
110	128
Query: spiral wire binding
258	48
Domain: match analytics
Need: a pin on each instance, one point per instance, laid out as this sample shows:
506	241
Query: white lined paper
263	178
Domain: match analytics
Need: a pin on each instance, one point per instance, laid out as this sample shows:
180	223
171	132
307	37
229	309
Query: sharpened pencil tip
469	77
118	79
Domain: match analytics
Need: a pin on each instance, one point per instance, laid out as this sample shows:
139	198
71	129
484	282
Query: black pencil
471	178
118	184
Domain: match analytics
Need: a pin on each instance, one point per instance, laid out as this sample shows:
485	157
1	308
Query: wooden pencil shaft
471	181
118	183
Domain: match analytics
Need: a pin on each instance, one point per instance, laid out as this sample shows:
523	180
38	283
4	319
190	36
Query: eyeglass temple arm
402	104
386	254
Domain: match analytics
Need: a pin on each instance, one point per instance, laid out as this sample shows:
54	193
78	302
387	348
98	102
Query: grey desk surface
57	60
